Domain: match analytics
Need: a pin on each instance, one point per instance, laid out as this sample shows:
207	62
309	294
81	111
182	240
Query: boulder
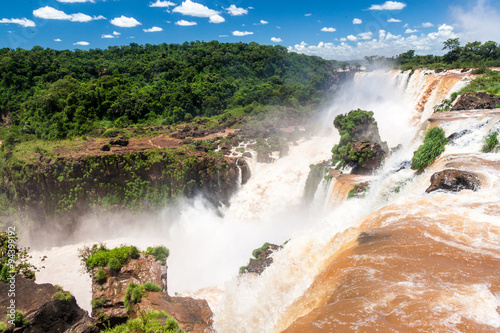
105	148
476	100
42	311
121	141
454	180
365	157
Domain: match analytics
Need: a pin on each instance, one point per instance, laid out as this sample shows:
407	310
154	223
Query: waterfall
398	259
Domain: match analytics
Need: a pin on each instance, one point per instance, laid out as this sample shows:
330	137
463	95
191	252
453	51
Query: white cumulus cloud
184	23
57	40
330	29
153	29
427	25
116	33
160	3
108	36
393	20
387	45
24	22
50	13
479	22
357	21
308	14
125	22
389	5
235	11
216	19
410	31
82	43
195	9
242	33
263	22
276	40
365	35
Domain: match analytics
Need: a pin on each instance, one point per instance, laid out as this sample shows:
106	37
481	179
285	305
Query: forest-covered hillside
54	94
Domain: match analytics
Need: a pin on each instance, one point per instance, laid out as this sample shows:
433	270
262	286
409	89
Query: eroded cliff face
42	309
58	191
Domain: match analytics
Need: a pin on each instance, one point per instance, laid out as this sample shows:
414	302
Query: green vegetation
19	319
355	126
491	143
488	83
114	264
101	276
133	295
19	256
100	256
472	55
256	255
98	303
52	94
64	296
257	252
3	327
434	144
149	322
150	286
159	252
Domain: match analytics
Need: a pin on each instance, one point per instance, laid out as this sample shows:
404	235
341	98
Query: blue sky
331	29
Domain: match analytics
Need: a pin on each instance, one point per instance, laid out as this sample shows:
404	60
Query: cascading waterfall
344	249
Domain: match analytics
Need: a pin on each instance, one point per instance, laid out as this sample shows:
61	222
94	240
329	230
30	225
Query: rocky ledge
114	301
475	101
43	308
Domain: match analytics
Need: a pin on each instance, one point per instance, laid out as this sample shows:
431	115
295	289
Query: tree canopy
55	94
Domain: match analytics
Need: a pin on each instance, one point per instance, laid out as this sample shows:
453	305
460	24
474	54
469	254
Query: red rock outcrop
42	311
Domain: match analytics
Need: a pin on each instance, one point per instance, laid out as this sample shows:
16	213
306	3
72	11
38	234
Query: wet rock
476	100
365	156
264	157
121	141
193	315
247	154
454	180
105	148
403	165
458	135
360	189
263	259
43	312
245	170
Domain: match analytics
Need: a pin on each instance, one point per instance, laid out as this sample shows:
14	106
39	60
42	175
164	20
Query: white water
207	249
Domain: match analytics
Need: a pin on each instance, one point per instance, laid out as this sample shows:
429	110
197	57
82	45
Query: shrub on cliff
152	321
434	144
490	143
161	253
134	293
8	242
98	255
357	125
